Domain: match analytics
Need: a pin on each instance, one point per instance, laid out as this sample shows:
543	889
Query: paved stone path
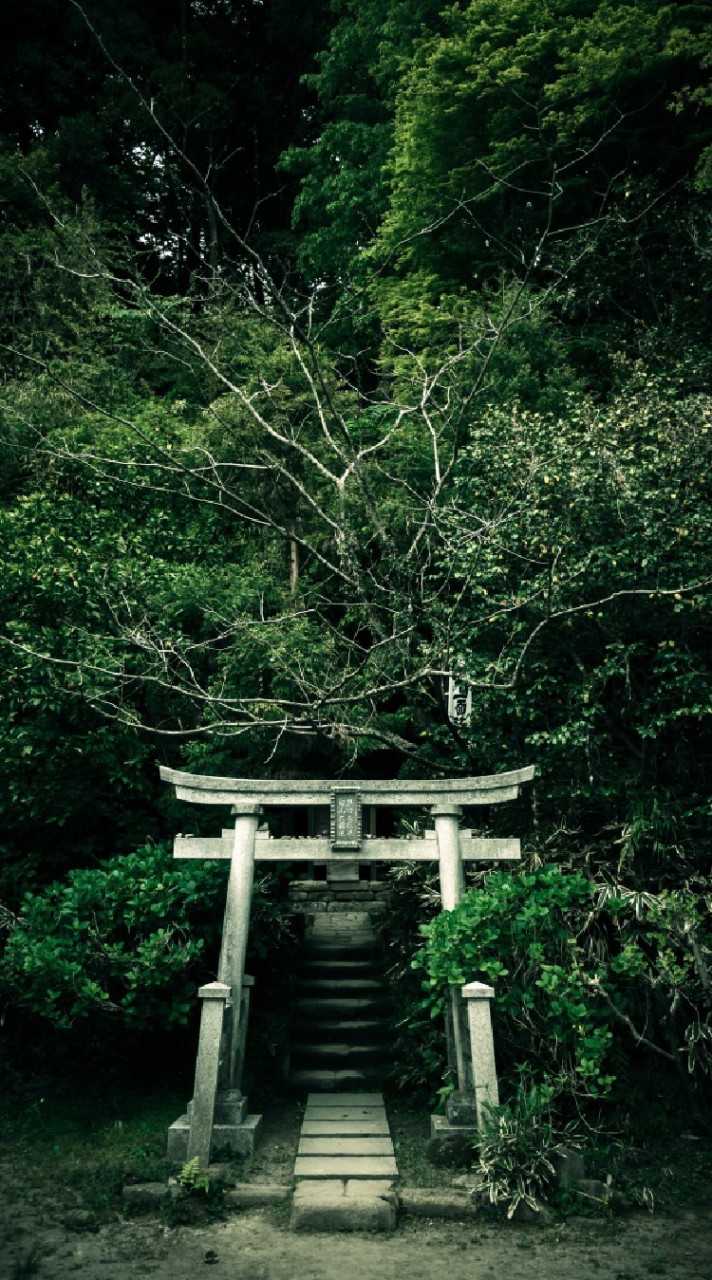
345	1135
345	1165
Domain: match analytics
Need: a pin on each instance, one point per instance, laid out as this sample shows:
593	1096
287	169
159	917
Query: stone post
477	996
215	996
236	925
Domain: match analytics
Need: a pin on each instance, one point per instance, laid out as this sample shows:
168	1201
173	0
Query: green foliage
578	972
28	1264
202	1199
191	1178
85	1137
510	93
570	539
103	569
117	940
252	523
460	149
341	167
660	964
513	1161
524	934
130	940
224	81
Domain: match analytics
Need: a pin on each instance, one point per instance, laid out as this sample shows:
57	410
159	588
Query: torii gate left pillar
218	1111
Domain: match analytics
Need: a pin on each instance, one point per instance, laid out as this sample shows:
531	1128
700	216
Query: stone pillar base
442	1131
228	1139
461	1108
453	1135
231	1107
451	1146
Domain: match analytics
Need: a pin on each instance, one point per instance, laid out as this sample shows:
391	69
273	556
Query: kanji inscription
346	821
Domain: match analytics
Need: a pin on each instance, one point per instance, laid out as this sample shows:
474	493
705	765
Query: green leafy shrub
117	939
130	939
581	974
524	934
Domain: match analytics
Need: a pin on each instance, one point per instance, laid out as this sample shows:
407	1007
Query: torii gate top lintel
409	792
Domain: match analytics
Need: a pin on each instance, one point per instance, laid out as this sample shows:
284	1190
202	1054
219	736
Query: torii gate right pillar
452	886
447	829
469	1034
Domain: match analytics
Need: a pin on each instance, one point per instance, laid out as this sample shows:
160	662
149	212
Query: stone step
317	1053
334	1109
327	1081
343	1030
338	1204
345	1128
339	931
320	1007
344	1145
337	987
326	1154
345	1167
339	951
340	1034
369	1098
354	1101
313	1040
329	968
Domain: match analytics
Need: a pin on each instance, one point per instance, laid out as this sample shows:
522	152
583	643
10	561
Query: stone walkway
345	1135
345	1165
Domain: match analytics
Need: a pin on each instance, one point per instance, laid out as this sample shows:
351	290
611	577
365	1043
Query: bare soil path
257	1245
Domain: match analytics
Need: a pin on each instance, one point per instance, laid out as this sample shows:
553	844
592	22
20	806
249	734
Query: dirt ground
44	1233
257	1245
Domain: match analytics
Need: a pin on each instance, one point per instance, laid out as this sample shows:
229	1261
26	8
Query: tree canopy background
344	350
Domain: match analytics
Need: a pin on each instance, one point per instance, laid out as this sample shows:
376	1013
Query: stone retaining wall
309	897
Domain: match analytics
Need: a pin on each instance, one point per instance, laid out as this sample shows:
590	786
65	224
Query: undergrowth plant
192	1178
202	1198
513	1153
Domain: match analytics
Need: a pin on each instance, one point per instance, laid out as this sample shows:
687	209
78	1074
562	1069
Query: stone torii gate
218	1111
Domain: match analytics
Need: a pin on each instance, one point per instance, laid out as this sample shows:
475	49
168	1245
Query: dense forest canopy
345	349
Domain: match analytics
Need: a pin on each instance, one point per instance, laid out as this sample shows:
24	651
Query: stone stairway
340	1035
